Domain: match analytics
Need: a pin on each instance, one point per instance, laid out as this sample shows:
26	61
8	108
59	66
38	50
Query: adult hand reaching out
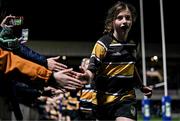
54	65
65	81
5	21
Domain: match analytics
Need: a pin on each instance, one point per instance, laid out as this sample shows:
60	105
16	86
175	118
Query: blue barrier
166	108
146	109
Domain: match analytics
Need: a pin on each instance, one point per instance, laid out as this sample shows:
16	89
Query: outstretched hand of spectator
5	21
54	65
67	82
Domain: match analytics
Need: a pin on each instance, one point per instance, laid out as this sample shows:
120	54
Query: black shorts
116	109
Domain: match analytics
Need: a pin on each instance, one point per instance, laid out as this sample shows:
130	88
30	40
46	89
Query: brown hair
114	11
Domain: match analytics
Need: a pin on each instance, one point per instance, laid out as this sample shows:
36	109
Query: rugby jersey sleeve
98	53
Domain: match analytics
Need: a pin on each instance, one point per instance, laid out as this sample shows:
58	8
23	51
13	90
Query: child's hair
114	11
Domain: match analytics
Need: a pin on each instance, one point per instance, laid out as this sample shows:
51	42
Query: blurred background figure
154	71
87	95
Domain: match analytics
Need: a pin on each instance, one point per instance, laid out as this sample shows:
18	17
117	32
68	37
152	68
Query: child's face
123	22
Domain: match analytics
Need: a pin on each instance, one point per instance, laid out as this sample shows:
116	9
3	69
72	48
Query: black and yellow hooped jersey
113	64
86	98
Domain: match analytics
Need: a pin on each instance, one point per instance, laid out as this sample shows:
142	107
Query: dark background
83	20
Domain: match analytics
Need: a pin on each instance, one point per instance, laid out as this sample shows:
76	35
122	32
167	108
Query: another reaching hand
54	65
85	76
67	82
6	20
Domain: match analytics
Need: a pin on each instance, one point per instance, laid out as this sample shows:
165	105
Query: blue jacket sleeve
31	55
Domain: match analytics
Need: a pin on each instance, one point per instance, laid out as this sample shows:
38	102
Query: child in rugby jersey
113	67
